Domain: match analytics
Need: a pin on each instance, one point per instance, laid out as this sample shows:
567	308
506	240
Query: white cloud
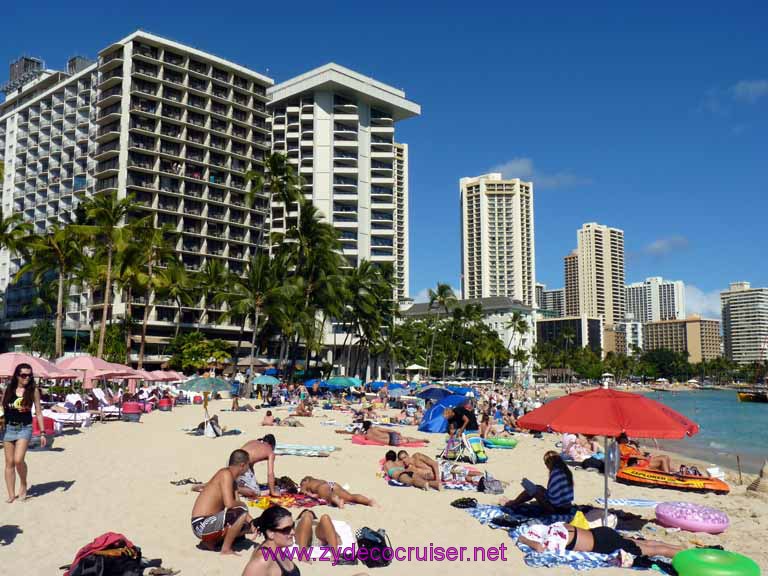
664	246
523	167
706	304
749	90
423	294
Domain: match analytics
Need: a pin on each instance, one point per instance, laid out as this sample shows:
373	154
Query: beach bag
374	542
490	485
110	554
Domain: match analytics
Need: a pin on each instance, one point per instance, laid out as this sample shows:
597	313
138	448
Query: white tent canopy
415	367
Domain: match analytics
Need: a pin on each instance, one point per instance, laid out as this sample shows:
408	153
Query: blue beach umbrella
433	393
344	381
378	385
265	380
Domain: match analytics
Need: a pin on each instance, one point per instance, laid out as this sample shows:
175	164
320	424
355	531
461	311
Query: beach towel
632	502
346	537
302	450
526	514
362	440
287	501
451	484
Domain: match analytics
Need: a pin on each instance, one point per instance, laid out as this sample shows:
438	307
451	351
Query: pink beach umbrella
165	376
95	368
41	368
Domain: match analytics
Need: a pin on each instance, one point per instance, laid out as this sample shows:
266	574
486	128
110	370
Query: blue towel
576	560
528	514
634	502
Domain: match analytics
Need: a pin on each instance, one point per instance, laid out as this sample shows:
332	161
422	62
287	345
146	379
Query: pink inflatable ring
692	517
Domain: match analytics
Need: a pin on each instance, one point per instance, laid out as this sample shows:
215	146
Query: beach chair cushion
475	448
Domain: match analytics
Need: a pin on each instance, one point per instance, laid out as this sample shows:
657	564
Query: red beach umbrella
605	412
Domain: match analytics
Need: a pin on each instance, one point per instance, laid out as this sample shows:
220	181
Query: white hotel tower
338	128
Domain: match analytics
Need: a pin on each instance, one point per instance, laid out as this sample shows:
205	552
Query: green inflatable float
500	442
709	562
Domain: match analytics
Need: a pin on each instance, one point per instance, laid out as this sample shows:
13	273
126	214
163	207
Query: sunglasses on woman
25	375
285	531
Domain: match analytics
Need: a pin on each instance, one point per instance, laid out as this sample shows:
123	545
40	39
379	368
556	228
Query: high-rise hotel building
745	323
656	299
498	256
338	128
600	255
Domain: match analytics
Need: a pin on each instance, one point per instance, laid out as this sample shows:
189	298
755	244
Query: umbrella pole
605	482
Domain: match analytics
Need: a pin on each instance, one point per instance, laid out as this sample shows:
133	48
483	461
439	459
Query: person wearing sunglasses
279	531
19	398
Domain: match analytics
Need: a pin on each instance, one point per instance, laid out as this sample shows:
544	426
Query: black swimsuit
285	572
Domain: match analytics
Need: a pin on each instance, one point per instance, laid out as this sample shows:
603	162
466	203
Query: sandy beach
116	477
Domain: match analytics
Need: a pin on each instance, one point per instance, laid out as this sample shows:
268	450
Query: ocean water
728	427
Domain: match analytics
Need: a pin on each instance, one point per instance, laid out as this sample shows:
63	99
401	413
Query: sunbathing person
396	470
557	497
258	451
631	455
386	436
332	492
268	419
559	537
421	464
217	516
303	408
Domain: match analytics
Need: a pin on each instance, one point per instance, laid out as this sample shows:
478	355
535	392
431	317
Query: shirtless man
217	515
421	464
332	492
258	451
385	436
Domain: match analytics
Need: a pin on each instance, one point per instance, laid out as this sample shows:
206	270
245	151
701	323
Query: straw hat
760	484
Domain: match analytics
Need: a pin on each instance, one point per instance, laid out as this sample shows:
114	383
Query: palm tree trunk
178	322
431	349
128	320
254	330
105	309
145	319
60	315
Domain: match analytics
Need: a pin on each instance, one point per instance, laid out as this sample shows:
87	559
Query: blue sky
651	117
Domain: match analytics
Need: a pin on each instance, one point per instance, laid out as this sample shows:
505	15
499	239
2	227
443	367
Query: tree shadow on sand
38	490
8	534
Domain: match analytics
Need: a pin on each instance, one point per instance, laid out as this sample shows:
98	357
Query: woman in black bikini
279	531
18	400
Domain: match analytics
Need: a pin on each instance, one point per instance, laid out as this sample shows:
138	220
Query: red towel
108	540
360	439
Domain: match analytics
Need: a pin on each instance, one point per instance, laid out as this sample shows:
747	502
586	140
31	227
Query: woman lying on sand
332	492
417	477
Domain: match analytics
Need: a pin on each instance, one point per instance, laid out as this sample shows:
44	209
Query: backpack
370	540
110	554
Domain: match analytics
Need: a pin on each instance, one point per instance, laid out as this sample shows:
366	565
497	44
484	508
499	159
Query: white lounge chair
106	409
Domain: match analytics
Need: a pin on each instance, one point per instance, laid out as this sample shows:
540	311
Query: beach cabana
433	420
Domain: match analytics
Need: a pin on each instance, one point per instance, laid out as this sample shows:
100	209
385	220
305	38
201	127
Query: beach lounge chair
73	420
469	448
105	408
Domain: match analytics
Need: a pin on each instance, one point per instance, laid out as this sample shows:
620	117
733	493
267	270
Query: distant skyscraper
497	238
572	284
540	293
696	336
554	301
745	323
601	272
656	299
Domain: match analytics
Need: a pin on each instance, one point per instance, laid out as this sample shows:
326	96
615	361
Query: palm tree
106	215
443	297
173	283
58	251
13	231
210	281
155	248
519	326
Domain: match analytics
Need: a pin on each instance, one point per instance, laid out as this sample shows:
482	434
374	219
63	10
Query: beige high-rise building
697	336
572	284
400	190
745	323
497	238
600	254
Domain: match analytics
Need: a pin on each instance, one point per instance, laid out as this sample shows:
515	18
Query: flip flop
185	482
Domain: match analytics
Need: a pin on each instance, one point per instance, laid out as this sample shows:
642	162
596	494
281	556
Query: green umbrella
205	385
345	381
266	380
